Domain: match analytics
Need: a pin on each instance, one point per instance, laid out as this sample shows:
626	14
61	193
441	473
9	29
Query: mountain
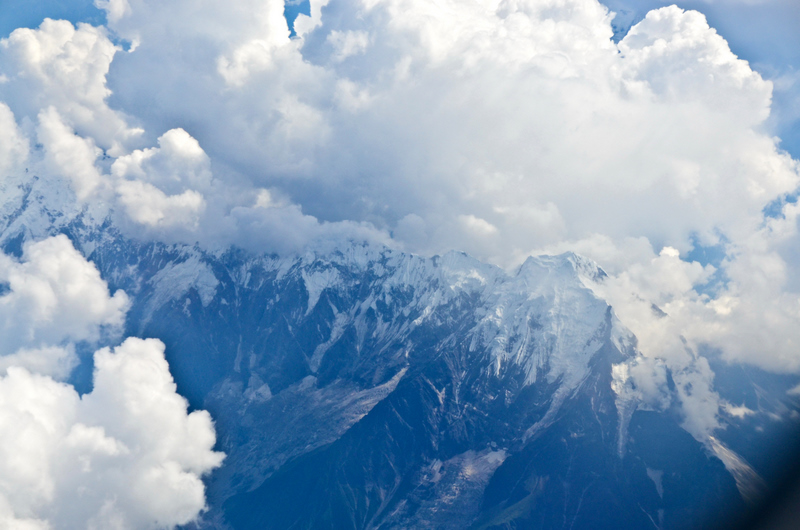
357	386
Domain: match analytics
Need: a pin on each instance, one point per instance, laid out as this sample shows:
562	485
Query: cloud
54	296
56	83
126	455
69	155
158	186
346	44
115	9
61	66
57	362
148	205
678	57
500	115
14	145
177	164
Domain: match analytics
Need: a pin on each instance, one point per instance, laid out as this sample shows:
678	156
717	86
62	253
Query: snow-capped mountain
357	386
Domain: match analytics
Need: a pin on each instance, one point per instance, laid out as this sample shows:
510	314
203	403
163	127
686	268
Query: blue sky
29	14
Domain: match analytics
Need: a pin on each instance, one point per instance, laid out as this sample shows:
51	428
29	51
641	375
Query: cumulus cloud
55	81
499	113
54	296
65	67
67	154
678	57
14	146
57	362
502	113
177	164
150	206
158	186
126	455
499	128
348	43
115	9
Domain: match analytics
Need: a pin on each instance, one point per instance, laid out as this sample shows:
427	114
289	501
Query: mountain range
358	386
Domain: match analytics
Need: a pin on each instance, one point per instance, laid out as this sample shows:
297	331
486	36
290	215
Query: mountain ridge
456	370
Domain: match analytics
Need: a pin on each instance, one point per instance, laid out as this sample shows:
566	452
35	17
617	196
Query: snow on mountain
435	374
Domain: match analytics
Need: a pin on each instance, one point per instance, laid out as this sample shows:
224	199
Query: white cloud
681	60
150	206
115	9
348	43
126	455
157	187
501	112
14	146
69	155
65	67
476	226
176	164
57	362
57	83
54	296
